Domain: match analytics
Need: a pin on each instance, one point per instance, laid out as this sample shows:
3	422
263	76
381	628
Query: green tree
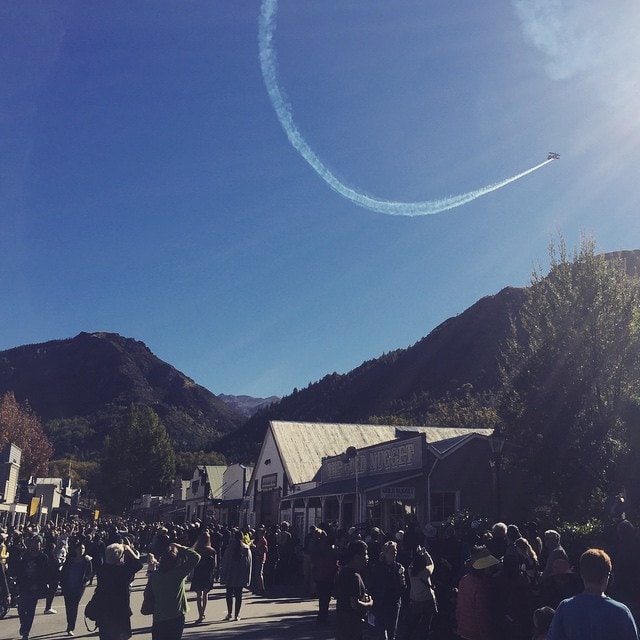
81	472
72	437
570	368
396	421
137	458
187	461
464	409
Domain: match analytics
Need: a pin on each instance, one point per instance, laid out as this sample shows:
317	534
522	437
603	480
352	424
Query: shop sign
398	455
398	493
268	482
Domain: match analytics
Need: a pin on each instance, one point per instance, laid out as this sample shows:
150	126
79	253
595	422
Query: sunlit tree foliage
571	367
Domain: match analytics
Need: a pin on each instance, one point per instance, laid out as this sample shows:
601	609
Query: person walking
74	577
32	574
57	555
324	566
387	584
260	548
203	574
96	549
121	563
168	588
235	572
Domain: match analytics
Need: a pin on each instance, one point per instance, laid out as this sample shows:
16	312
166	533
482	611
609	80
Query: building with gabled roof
302	445
215	480
212	491
11	511
288	483
10	459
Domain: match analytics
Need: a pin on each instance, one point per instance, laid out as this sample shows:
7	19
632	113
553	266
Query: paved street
283	617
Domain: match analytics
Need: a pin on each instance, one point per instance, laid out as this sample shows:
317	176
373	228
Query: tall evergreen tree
137	458
570	368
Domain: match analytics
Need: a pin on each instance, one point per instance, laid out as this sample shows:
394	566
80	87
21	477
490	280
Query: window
315	515
331	510
444	504
298	524
400	513
374	514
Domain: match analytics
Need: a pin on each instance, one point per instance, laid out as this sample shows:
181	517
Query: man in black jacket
352	600
32	575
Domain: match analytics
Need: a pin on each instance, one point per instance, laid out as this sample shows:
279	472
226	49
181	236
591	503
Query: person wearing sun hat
474	606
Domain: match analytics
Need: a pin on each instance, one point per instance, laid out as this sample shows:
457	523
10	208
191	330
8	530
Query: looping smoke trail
269	67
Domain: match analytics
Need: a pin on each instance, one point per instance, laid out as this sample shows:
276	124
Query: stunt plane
553	156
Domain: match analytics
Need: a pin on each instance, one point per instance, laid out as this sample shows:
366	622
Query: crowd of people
504	582
69	557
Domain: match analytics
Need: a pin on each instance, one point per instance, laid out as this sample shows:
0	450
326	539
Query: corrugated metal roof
216	480
443	439
302	445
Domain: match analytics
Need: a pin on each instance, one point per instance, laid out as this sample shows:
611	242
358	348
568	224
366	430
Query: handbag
92	612
91	609
148	600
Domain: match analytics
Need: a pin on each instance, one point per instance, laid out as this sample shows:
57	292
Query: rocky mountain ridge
79	387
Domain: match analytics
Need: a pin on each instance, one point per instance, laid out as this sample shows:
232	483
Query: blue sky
147	187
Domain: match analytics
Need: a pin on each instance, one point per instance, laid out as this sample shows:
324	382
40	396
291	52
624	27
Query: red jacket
474	608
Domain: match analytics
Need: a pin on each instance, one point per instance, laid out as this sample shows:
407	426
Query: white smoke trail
269	67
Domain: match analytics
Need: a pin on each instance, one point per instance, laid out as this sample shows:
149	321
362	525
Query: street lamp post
352	454
496	443
33	505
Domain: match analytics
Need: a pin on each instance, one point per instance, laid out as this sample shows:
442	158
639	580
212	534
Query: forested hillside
81	387
555	366
404	384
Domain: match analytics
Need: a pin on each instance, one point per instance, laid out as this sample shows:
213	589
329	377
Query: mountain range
81	386
248	405
462	353
464	350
